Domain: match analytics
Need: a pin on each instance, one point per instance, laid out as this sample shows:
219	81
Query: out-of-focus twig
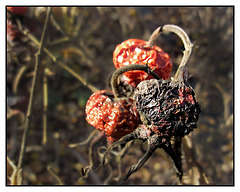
85	141
72	50
53	173
11	172
87	170
110	175
60	40
195	171
91	87
95	140
45	106
58	27
55	60
18	78
32	95
227	98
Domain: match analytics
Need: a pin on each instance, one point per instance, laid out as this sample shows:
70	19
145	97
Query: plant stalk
32	96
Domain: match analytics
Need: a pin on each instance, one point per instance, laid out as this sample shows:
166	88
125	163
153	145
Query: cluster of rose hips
157	110
118	116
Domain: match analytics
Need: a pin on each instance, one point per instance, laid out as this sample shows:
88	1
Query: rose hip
134	51
115	118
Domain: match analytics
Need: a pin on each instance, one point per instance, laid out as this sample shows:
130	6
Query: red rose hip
115	118
134	51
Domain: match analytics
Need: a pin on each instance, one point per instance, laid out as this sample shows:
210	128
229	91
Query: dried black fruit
168	108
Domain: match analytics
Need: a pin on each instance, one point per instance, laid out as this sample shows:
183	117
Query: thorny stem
184	37
118	72
32	94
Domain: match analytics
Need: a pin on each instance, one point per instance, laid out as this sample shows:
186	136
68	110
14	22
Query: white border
122	2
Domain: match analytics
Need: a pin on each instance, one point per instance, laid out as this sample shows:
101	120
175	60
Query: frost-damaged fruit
115	118
167	109
134	51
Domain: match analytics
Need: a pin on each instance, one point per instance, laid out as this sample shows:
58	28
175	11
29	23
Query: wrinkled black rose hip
168	108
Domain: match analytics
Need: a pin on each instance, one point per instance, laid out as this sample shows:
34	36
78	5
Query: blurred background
83	39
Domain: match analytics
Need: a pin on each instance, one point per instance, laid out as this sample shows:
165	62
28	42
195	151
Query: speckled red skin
115	118
185	95
134	51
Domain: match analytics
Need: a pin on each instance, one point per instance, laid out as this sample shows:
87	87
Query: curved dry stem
123	140
85	171
110	176
92	144
54	174
73	145
132	67
184	37
186	42
18	78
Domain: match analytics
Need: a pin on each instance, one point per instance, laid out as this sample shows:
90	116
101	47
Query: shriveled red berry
18	10
115	118
168	108
134	51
